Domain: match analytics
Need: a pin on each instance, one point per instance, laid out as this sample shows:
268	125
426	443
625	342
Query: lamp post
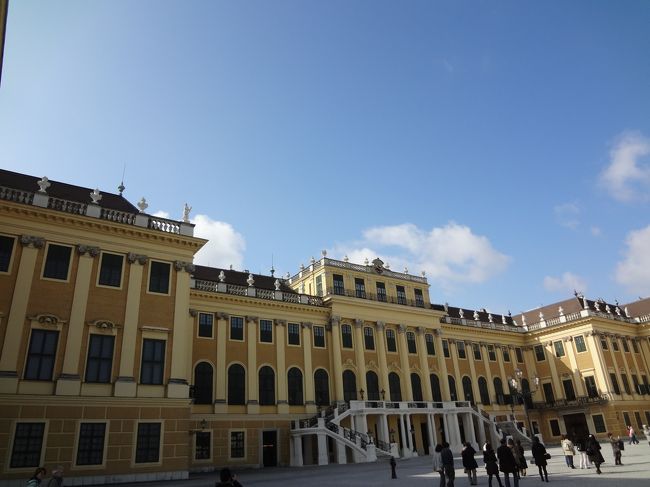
522	395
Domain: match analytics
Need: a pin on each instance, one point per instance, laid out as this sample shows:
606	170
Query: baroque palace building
122	360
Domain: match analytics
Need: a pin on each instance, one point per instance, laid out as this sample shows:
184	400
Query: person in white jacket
437	464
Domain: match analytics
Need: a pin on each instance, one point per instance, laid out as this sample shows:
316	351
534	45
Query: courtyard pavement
635	472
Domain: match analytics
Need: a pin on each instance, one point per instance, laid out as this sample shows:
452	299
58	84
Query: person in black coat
539	454
469	462
507	464
593	452
491	465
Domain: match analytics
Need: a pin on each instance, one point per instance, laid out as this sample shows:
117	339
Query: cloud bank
627	177
567	282
634	270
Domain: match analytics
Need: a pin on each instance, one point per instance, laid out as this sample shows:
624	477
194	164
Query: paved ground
635	472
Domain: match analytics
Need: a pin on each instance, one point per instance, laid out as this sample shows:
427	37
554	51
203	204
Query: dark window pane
237	447
339	288
110	272
391	345
6	249
202	445
159	277
236	328
57	262
203	380
410	342
236	385
419	298
99	366
381	292
206	322
91	443
431	349
153	361
401	295
148	446
319	336
28	441
266	386
359	288
41	355
294	385
321	385
293	330
266	331
346	336
369	338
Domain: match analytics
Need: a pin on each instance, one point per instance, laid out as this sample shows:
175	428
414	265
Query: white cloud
225	245
628	175
568	215
567	282
596	231
634	271
161	214
449	254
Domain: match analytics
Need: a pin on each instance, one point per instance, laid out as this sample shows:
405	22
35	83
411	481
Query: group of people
40	473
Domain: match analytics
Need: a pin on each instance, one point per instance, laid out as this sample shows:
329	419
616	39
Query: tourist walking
507	464
646	432
593	452
469	462
582	449
617	446
448	464
520	458
39	475
541	456
437	464
569	450
57	477
491	466
227	479
393	466
632	434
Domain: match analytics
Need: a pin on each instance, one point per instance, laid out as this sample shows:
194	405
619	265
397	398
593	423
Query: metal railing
381	298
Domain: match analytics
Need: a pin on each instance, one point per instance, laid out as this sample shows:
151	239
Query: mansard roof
239	278
482	315
70	192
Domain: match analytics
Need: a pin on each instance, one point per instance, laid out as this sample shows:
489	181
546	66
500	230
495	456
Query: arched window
203	383
267	386
322	387
394	387
236	385
416	386
435	388
468	394
483	391
498	390
349	386
452	388
294	384
372	382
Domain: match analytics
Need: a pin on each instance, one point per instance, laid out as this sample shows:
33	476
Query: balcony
580	401
381	298
250	291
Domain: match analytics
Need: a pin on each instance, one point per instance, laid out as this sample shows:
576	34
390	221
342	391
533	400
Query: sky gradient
503	147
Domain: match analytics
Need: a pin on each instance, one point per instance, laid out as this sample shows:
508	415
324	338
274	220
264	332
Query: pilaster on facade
337	362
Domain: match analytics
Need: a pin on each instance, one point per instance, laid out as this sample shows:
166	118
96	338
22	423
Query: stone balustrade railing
251	291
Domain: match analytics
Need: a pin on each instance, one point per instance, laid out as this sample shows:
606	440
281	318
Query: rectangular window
202	445
506	354
159	277
359	288
492	355
368	338
41	355
28	442
559	348
646	388
237	328
419	298
237	444
555	427
612	377
339	288
626	418
319	336
520	355
431	349
445	348
581	346
569	392
637	417
91	443
266	331
590	385
635	346
206	322
540	356
647	417
410	342
57	262
401	295
615	344
476	348
153	361
391	345
319	285
549	395
293	333
461	349
6	249
148	446
626	385
110	270
99	366
346	336
635	384
381	292
603	343
625	347
599	423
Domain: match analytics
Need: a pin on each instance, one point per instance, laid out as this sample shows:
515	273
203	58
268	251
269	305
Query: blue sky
503	147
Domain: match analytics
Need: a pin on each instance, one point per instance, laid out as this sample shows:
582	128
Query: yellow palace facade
123	361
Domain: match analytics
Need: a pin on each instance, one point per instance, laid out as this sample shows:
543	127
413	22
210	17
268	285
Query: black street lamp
522	395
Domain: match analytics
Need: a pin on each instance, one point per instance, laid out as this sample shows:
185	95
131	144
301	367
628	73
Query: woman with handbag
491	465
540	455
593	452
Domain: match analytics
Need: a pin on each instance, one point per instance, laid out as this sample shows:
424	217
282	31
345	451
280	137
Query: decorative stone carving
306	324
95	196
627	314
143	205
222	316
420	330
406	270
437	331
567	339
561	311
346	258
179	265
381	325
608	309
503	319
48	320
401	328
87	249
193	312
250	280
585	303
31	241
280	322
222	276
251	318
617	310
186	213
523	320
43	184
490	319
276	284
541	316
104	324
323	253
139	258
596	306
476	317
358	323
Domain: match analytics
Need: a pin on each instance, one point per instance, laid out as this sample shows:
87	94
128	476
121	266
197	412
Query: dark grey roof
239	278
65	191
